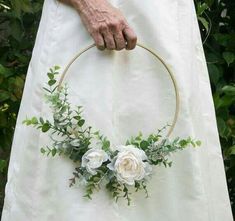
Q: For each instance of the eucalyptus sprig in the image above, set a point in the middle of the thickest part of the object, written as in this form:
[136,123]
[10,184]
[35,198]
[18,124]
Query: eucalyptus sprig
[103,165]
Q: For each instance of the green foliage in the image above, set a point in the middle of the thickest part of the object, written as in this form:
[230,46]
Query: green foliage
[67,123]
[158,148]
[18,25]
[71,137]
[219,47]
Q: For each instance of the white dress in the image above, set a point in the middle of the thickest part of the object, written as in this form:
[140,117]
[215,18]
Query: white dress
[122,93]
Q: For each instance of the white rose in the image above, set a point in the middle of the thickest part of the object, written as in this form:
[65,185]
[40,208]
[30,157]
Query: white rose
[93,159]
[129,164]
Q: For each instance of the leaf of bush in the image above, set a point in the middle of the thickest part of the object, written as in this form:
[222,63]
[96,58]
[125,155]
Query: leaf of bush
[229,57]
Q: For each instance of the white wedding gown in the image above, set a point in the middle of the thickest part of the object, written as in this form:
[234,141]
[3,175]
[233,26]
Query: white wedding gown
[122,93]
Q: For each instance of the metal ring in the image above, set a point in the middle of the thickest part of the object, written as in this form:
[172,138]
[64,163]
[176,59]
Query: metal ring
[172,126]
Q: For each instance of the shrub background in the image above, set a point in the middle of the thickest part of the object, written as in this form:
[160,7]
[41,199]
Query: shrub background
[19,21]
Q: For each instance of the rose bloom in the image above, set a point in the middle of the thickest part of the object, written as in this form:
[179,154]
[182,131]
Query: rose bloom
[93,159]
[129,165]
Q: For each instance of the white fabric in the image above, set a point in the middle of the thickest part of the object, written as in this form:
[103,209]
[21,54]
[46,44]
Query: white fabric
[122,93]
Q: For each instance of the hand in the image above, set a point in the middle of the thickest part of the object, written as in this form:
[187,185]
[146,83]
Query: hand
[105,23]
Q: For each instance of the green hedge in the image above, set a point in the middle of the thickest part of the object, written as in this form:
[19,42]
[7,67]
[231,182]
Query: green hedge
[217,22]
[18,25]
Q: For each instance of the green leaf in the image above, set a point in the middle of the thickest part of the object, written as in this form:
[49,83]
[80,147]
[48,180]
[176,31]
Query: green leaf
[183,143]
[209,2]
[201,7]
[77,118]
[231,150]
[222,127]
[229,90]
[144,144]
[198,142]
[16,30]
[213,58]
[43,150]
[229,57]
[53,152]
[4,95]
[6,72]
[222,39]
[3,165]
[81,122]
[41,120]
[19,82]
[47,90]
[22,6]
[204,22]
[50,75]
[27,122]
[45,127]
[34,120]
[214,73]
[57,67]
[106,144]
[51,82]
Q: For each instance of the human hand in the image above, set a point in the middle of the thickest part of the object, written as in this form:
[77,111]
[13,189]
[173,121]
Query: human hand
[105,23]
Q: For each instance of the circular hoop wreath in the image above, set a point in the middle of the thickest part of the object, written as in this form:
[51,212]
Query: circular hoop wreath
[99,163]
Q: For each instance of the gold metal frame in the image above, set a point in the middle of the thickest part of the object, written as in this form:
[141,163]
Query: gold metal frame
[172,126]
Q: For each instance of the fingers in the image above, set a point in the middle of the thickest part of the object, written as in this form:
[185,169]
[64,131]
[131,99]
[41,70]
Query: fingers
[125,38]
[114,38]
[130,38]
[103,38]
[99,40]
[119,41]
[109,40]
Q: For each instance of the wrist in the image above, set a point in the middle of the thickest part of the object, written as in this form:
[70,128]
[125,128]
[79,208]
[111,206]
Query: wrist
[89,6]
[79,5]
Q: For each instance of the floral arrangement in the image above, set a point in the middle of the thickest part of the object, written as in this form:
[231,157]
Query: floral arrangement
[118,168]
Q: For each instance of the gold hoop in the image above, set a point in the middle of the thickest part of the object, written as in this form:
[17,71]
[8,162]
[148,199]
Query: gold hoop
[172,126]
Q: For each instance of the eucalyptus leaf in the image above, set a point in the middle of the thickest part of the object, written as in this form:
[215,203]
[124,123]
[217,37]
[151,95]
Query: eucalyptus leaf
[81,122]
[45,127]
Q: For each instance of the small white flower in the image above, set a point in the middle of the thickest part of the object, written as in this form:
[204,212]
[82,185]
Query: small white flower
[129,164]
[93,159]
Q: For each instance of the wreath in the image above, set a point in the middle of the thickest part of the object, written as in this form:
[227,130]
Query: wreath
[99,164]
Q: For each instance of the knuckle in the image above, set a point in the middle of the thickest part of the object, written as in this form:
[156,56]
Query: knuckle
[102,28]
[94,29]
[114,28]
[122,22]
[113,25]
[116,25]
